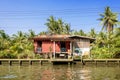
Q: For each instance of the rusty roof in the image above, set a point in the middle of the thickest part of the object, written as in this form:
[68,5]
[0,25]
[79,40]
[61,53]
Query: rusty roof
[61,37]
[52,37]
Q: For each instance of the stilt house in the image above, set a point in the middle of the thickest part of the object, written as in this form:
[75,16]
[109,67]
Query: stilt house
[62,46]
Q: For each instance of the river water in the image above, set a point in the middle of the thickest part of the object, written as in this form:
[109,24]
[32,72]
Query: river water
[59,72]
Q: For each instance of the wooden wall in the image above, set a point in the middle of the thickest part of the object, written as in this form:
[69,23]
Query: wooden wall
[82,43]
[48,46]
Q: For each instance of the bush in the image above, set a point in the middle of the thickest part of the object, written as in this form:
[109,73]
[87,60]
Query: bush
[7,55]
[23,56]
[102,53]
[38,56]
[11,56]
[27,55]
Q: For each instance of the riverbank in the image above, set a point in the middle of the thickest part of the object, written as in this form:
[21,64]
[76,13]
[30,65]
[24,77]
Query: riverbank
[50,61]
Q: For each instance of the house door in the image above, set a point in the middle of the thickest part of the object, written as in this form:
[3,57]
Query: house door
[39,47]
[63,46]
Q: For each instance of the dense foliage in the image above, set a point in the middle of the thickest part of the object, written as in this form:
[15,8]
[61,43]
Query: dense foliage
[107,44]
[108,19]
[57,26]
[105,47]
[16,46]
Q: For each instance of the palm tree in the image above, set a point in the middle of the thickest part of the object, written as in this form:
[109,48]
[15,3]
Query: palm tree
[43,33]
[81,33]
[5,43]
[57,26]
[51,24]
[101,39]
[117,32]
[92,33]
[19,40]
[67,29]
[22,46]
[108,19]
[60,25]
[4,40]
[31,34]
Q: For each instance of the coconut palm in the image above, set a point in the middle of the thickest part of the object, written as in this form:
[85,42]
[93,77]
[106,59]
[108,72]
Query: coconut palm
[108,19]
[5,43]
[19,41]
[67,29]
[116,37]
[92,33]
[43,33]
[22,46]
[117,32]
[81,33]
[57,26]
[60,26]
[51,24]
[31,34]
[4,40]
[101,39]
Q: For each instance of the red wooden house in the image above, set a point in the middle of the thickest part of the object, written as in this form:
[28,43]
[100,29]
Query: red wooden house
[60,46]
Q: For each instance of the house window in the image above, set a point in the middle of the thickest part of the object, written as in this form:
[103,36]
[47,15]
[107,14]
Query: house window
[39,43]
[63,46]
[39,50]
[39,47]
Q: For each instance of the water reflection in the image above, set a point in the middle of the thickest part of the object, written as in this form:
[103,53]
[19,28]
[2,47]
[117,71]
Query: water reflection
[59,72]
[9,76]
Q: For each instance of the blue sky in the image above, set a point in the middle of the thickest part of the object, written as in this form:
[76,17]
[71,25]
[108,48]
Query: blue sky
[22,15]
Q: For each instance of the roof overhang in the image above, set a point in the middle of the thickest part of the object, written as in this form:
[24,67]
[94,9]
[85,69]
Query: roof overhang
[62,38]
[82,37]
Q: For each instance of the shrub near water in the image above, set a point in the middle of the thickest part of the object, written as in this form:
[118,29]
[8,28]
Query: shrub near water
[105,53]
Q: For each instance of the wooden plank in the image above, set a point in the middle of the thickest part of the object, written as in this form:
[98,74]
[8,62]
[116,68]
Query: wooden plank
[21,61]
[61,60]
[30,61]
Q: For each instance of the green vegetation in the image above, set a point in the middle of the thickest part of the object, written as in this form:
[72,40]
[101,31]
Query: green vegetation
[108,19]
[57,26]
[106,45]
[17,46]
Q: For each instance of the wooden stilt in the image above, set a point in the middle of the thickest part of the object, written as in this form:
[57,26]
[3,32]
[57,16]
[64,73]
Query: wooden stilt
[10,62]
[118,62]
[106,62]
[40,62]
[20,62]
[95,62]
[30,62]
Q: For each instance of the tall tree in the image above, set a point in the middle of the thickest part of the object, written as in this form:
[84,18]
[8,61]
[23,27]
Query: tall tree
[117,32]
[108,19]
[57,26]
[67,29]
[43,33]
[4,40]
[51,24]
[80,32]
[92,33]
[31,34]
[19,40]
[60,25]
[101,39]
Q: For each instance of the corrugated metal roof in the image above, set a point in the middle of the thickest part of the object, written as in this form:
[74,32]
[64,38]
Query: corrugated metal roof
[61,37]
[52,37]
[83,37]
